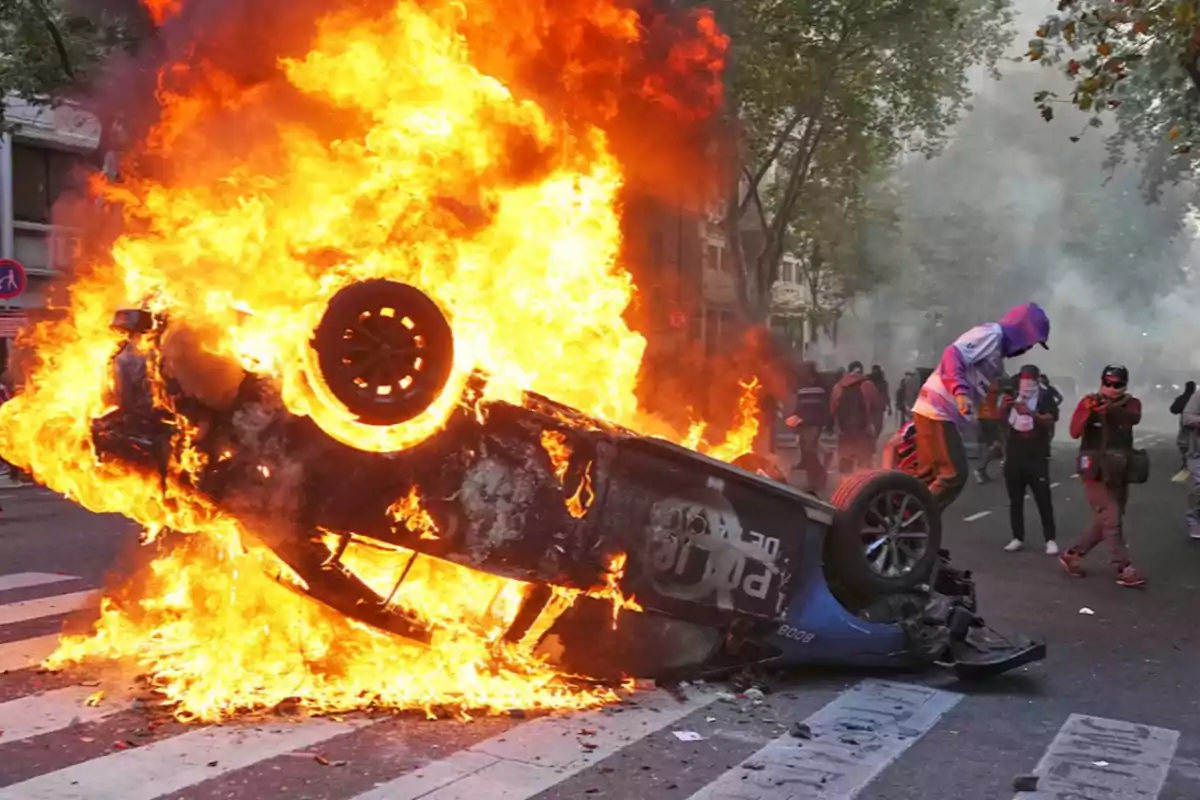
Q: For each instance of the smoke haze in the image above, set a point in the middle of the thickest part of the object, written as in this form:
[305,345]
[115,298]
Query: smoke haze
[1012,211]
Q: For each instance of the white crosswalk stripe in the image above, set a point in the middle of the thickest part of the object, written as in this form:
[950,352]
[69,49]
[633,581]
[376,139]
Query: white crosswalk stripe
[37,714]
[176,763]
[25,653]
[503,767]
[853,738]
[24,580]
[842,752]
[1094,757]
[46,607]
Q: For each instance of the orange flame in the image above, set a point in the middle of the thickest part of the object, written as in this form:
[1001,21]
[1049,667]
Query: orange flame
[159,10]
[579,503]
[556,447]
[408,145]
[409,512]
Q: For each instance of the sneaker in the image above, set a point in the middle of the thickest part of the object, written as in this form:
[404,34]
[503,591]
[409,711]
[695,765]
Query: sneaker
[1071,563]
[1051,548]
[1014,545]
[981,477]
[1131,578]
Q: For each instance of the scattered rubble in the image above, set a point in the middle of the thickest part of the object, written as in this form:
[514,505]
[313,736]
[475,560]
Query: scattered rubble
[801,730]
[1025,783]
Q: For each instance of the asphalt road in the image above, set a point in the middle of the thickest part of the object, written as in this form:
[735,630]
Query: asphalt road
[1112,713]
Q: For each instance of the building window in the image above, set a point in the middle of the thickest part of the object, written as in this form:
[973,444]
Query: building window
[40,176]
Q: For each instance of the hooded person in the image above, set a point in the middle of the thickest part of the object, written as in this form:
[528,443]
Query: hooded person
[950,395]
[856,404]
[1183,440]
[810,417]
[1029,414]
[1189,422]
[881,385]
[1103,423]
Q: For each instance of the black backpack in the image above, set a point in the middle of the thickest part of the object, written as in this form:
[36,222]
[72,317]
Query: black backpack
[852,409]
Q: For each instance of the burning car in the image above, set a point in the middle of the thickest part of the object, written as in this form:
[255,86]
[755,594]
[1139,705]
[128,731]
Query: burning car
[711,566]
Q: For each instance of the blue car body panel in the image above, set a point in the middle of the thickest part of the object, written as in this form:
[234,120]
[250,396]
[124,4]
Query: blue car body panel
[818,629]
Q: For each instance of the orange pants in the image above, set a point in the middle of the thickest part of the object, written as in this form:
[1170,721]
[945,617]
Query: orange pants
[941,458]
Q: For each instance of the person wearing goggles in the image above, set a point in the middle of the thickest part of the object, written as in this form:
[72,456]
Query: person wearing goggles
[1103,423]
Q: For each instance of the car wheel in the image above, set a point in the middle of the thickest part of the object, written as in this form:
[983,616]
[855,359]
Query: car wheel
[886,535]
[385,350]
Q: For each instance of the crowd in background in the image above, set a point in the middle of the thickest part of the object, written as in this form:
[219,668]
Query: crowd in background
[840,419]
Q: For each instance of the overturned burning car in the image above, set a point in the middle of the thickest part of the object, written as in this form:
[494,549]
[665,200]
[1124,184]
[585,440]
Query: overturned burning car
[725,566]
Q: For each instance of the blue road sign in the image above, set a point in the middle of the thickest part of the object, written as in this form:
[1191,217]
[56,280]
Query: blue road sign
[12,278]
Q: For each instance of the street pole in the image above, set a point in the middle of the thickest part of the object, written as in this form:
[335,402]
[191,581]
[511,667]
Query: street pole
[6,196]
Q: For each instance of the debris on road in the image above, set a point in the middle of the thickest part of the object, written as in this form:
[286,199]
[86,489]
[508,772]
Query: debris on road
[801,730]
[688,736]
[1087,611]
[1025,783]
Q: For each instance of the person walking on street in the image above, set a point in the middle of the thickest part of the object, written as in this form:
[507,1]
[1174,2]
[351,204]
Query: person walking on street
[989,433]
[809,418]
[1189,420]
[1030,415]
[881,387]
[903,403]
[1055,395]
[1103,423]
[950,395]
[1182,439]
[855,405]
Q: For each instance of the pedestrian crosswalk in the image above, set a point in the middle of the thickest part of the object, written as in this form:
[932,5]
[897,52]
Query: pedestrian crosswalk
[824,738]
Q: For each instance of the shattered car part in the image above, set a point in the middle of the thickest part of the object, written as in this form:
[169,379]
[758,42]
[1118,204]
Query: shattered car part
[729,565]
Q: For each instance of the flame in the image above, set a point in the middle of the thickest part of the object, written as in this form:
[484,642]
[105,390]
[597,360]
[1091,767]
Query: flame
[409,512]
[579,503]
[740,439]
[611,590]
[159,10]
[556,447]
[410,145]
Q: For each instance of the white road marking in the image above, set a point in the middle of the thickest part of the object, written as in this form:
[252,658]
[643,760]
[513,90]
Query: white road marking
[503,767]
[46,607]
[1096,757]
[1055,485]
[41,713]
[23,580]
[854,738]
[26,652]
[979,515]
[174,764]
[1075,475]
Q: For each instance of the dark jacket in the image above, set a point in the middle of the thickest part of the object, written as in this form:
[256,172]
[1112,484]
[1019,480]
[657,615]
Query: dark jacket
[1182,401]
[1095,412]
[1034,443]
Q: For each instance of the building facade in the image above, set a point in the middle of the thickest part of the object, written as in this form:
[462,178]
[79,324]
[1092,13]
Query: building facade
[40,159]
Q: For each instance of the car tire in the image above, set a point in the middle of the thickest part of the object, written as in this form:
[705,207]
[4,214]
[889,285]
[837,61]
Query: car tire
[885,536]
[385,350]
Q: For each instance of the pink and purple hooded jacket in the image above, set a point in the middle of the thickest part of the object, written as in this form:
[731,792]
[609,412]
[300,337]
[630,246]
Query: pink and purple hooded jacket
[976,360]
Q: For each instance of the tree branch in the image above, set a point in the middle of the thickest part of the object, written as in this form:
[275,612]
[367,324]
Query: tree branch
[765,166]
[60,46]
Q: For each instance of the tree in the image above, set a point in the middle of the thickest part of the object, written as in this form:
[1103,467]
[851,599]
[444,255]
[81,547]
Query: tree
[47,49]
[804,73]
[1136,62]
[825,235]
